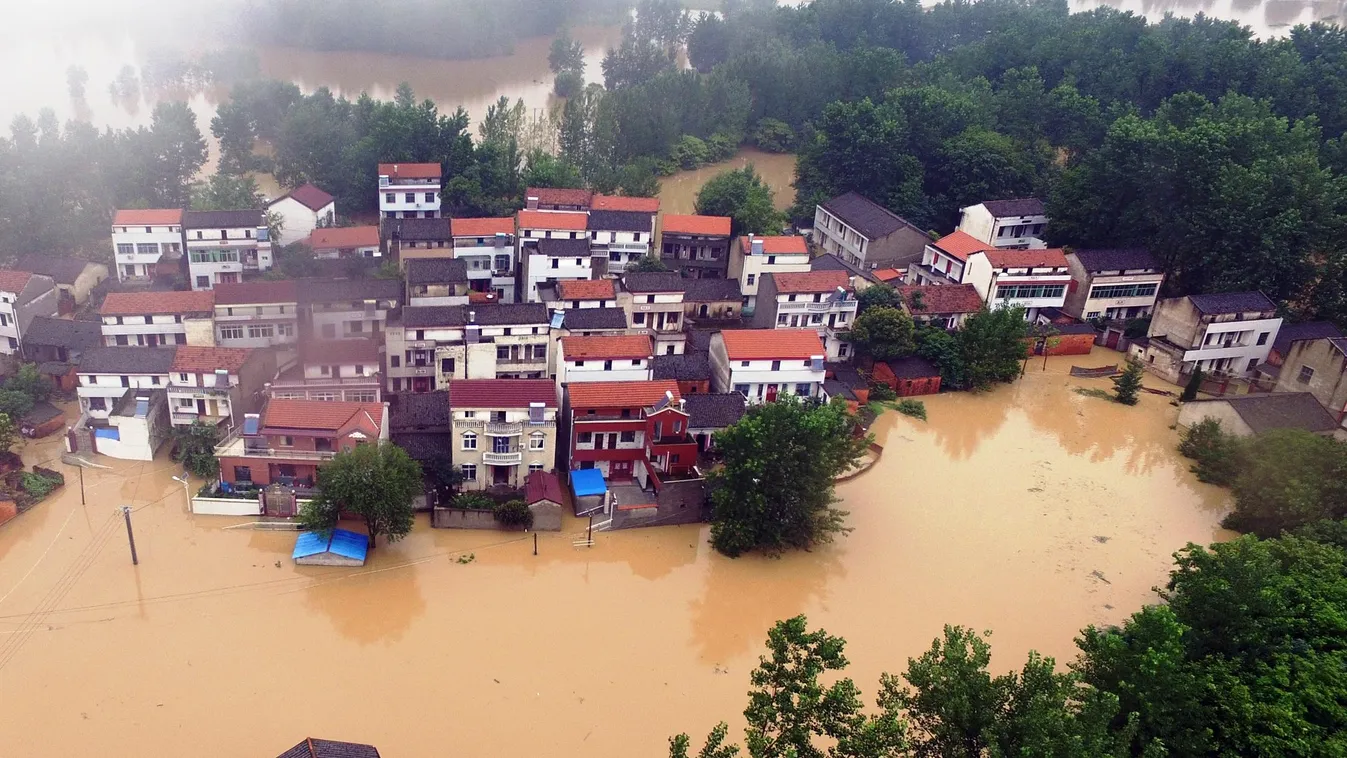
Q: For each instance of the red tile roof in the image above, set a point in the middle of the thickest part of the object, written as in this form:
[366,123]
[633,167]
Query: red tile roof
[410,170]
[146,303]
[321,415]
[256,293]
[711,226]
[944,298]
[195,359]
[777,245]
[959,245]
[308,196]
[147,217]
[771,344]
[1050,258]
[481,227]
[607,346]
[586,289]
[811,282]
[14,281]
[574,221]
[617,203]
[620,394]
[887,274]
[542,485]
[501,393]
[344,236]
[560,196]
[482,298]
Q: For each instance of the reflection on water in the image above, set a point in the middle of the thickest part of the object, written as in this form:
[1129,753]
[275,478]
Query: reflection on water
[678,193]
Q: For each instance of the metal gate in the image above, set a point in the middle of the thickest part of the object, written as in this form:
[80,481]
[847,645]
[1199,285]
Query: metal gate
[278,501]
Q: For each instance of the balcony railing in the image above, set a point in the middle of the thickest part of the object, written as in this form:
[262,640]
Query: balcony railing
[520,361]
[237,446]
[503,427]
[502,459]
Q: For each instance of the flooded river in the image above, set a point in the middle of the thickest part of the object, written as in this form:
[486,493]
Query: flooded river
[1031,511]
[678,193]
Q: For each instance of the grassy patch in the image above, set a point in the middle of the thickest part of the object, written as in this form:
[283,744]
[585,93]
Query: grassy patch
[913,408]
[1095,392]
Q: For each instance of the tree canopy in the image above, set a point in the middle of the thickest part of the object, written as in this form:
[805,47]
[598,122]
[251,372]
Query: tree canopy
[375,483]
[883,333]
[745,198]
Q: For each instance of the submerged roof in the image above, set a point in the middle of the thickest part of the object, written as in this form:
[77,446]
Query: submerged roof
[342,542]
[315,748]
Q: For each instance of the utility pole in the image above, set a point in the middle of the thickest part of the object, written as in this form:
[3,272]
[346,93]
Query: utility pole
[590,537]
[130,536]
[535,543]
[81,468]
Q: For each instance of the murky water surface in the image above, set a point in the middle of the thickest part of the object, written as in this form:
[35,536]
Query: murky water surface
[1031,511]
[678,193]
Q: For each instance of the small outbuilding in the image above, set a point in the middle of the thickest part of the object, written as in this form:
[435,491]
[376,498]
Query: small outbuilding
[1247,415]
[542,493]
[316,748]
[908,376]
[589,490]
[340,547]
[42,420]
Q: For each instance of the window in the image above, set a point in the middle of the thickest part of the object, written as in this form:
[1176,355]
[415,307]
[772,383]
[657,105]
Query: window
[325,370]
[537,441]
[556,263]
[1030,291]
[260,332]
[1092,314]
[585,438]
[469,441]
[1262,338]
[1253,363]
[650,298]
[395,361]
[638,318]
[411,197]
[535,467]
[469,414]
[430,197]
[147,248]
[776,365]
[1107,291]
[125,249]
[1306,374]
[361,396]
[203,282]
[780,319]
[231,332]
[673,458]
[751,278]
[182,377]
[287,441]
[671,318]
[502,352]
[389,197]
[790,298]
[243,474]
[628,437]
[469,472]
[802,388]
[501,445]
[98,404]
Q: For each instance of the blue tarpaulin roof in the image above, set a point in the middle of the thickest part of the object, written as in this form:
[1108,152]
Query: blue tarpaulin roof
[346,544]
[587,481]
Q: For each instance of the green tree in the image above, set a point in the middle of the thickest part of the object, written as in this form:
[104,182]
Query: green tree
[15,404]
[883,333]
[634,62]
[194,447]
[878,296]
[742,195]
[568,83]
[1288,478]
[1127,385]
[9,433]
[178,150]
[945,351]
[1193,386]
[647,263]
[566,54]
[992,346]
[374,482]
[30,382]
[775,488]
[76,79]
[542,169]
[774,136]
[233,129]
[226,192]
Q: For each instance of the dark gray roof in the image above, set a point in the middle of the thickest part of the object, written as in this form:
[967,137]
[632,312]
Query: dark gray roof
[62,332]
[339,290]
[1232,302]
[1289,333]
[865,216]
[40,413]
[436,270]
[222,219]
[1116,259]
[564,248]
[127,360]
[424,446]
[620,221]
[1280,410]
[1023,206]
[834,263]
[688,367]
[835,388]
[848,375]
[313,748]
[653,281]
[494,314]
[63,269]
[711,290]
[418,229]
[912,367]
[595,318]
[699,340]
[53,368]
[714,410]
[420,410]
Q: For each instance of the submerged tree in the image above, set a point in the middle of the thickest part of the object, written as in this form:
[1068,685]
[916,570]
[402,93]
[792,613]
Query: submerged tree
[374,482]
[1127,385]
[194,448]
[742,195]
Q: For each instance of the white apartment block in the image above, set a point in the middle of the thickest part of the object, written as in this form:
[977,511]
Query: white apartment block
[23,297]
[257,314]
[223,246]
[654,305]
[762,364]
[1113,284]
[607,358]
[302,210]
[1226,334]
[824,301]
[409,190]
[107,374]
[140,238]
[487,248]
[502,429]
[945,260]
[152,319]
[619,238]
[553,247]
[1033,279]
[1016,224]
[433,345]
[752,257]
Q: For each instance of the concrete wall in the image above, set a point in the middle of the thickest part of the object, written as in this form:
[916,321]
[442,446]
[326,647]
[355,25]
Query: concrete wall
[1328,382]
[1193,412]
[546,516]
[225,506]
[458,518]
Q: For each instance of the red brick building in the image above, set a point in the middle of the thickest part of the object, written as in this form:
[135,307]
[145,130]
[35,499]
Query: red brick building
[290,439]
[629,430]
[908,376]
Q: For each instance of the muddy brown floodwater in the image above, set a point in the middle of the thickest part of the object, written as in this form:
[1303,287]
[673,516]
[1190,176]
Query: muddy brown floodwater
[1031,511]
[678,193]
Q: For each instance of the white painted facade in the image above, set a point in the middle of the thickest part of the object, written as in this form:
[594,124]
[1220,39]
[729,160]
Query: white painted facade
[838,238]
[261,325]
[621,248]
[409,198]
[937,267]
[201,396]
[491,266]
[436,355]
[755,263]
[137,249]
[830,317]
[659,315]
[1234,346]
[571,370]
[1123,296]
[98,393]
[1031,288]
[1020,232]
[762,380]
[216,256]
[299,220]
[150,331]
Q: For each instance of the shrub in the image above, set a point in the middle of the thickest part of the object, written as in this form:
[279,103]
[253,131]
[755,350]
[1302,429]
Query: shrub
[1288,478]
[882,392]
[473,501]
[774,136]
[913,408]
[1194,385]
[690,152]
[1218,455]
[514,514]
[38,486]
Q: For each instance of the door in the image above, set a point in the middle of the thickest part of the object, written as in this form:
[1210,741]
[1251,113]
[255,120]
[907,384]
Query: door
[771,393]
[598,441]
[702,311]
[500,475]
[619,470]
[200,407]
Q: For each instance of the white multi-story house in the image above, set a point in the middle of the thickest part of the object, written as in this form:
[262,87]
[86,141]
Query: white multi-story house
[257,314]
[487,248]
[343,309]
[824,301]
[618,238]
[409,190]
[432,345]
[223,246]
[1113,284]
[945,260]
[217,384]
[654,305]
[553,246]
[1034,279]
[866,234]
[336,370]
[608,358]
[23,297]
[503,430]
[140,238]
[345,242]
[754,256]
[1014,223]
[761,364]
[302,210]
[1226,334]
[123,401]
[152,319]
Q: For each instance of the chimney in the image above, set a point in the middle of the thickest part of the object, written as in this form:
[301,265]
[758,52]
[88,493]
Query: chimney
[531,202]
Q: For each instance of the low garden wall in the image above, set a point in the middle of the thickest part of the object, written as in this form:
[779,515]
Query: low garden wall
[462,518]
[225,506]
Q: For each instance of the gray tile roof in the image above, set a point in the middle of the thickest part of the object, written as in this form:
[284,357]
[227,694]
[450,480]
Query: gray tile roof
[346,290]
[1289,333]
[424,446]
[653,281]
[833,263]
[63,269]
[127,360]
[595,318]
[315,748]
[418,229]
[496,314]
[1116,259]
[866,216]
[1232,302]
[420,410]
[437,270]
[63,332]
[620,221]
[1280,410]
[688,367]
[251,218]
[1023,206]
[564,248]
[912,367]
[711,290]
[714,410]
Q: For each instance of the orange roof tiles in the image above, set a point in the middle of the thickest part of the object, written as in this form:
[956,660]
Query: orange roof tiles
[196,359]
[620,394]
[945,298]
[14,281]
[771,344]
[502,393]
[811,282]
[254,293]
[776,245]
[344,236]
[618,203]
[574,221]
[959,245]
[586,289]
[1050,258]
[887,274]
[575,347]
[321,415]
[481,227]
[711,226]
[146,303]
[147,217]
[397,171]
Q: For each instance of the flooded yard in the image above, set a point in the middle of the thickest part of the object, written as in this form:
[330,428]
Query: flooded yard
[1031,511]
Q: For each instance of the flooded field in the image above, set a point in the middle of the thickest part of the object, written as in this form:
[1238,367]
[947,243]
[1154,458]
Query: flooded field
[1031,511]
[678,193]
